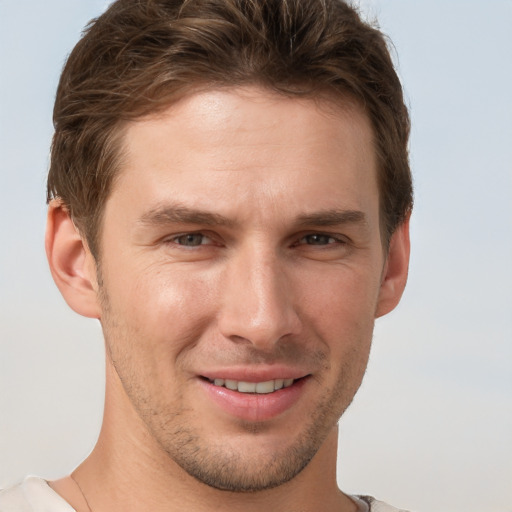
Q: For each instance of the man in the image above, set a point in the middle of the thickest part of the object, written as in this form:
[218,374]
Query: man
[229,194]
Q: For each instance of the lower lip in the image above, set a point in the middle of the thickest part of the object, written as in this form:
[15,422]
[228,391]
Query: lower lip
[251,406]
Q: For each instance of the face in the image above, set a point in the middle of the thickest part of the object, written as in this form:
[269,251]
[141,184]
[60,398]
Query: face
[241,271]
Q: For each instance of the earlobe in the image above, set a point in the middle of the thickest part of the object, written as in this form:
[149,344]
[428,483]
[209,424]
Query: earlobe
[71,263]
[395,272]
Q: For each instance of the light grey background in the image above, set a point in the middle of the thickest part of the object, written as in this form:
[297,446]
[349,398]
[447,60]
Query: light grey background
[431,429]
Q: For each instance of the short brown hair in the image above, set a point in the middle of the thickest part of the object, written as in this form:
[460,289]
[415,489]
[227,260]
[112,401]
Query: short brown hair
[141,55]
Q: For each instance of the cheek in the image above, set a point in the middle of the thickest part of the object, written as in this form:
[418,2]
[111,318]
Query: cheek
[341,293]
[161,309]
[340,306]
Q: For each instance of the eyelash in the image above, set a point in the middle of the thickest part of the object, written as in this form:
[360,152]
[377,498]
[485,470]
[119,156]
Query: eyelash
[328,236]
[175,239]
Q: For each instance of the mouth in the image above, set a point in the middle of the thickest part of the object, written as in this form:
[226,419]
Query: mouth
[259,388]
[257,399]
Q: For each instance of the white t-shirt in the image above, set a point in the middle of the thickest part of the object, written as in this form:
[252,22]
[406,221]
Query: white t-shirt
[32,495]
[35,495]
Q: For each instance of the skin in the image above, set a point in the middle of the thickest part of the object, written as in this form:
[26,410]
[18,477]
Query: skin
[241,236]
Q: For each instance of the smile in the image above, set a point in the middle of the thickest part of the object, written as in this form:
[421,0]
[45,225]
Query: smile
[259,398]
[241,386]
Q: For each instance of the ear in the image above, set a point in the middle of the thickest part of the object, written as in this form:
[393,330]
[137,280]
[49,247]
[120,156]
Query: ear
[71,263]
[395,272]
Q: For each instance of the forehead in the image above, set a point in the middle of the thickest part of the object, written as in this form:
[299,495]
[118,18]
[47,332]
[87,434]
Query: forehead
[256,115]
[220,148]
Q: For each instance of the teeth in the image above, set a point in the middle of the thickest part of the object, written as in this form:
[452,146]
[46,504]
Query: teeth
[231,384]
[268,386]
[247,387]
[265,387]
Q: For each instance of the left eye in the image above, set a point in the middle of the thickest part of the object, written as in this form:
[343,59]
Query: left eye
[191,239]
[318,239]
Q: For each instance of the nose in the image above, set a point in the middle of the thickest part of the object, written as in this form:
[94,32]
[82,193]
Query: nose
[257,301]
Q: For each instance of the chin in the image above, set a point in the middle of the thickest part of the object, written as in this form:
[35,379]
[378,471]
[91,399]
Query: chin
[255,459]
[235,471]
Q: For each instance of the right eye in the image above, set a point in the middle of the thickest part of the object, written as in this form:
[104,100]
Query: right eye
[190,240]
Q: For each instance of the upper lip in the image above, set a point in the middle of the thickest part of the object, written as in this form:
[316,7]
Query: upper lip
[254,373]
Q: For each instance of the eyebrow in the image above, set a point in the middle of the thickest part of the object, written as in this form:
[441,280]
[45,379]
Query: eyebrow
[169,214]
[332,218]
[162,215]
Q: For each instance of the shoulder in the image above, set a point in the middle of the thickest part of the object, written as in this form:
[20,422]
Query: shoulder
[379,506]
[32,495]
